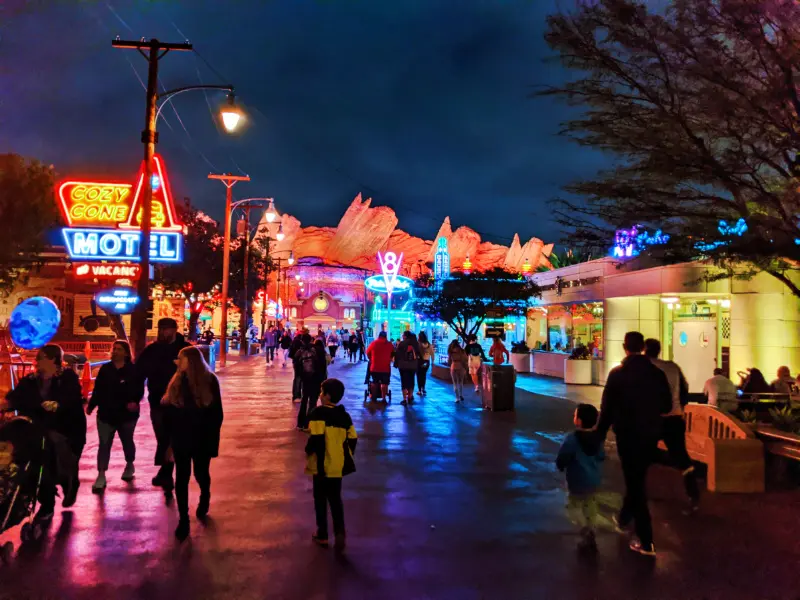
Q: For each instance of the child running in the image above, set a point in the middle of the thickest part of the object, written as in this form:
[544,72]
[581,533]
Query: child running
[581,455]
[329,457]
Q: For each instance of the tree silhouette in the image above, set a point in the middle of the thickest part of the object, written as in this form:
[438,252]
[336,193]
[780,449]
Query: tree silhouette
[700,104]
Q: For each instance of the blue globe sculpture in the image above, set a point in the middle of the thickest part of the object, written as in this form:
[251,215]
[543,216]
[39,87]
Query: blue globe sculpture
[34,322]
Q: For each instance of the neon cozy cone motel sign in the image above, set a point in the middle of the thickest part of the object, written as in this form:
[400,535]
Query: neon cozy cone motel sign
[104,219]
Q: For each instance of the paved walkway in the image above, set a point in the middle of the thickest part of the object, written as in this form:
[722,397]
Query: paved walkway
[448,502]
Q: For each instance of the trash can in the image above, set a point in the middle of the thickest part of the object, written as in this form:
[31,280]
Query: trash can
[497,386]
[210,354]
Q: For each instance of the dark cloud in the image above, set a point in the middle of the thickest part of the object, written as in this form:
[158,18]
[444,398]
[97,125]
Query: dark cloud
[421,104]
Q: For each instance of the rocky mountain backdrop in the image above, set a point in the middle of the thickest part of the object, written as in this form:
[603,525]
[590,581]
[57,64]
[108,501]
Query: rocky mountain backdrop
[364,230]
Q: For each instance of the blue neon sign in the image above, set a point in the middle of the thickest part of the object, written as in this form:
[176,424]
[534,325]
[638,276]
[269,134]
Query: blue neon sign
[111,244]
[118,301]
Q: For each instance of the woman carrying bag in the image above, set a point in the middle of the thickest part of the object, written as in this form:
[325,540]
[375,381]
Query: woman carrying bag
[193,417]
[426,355]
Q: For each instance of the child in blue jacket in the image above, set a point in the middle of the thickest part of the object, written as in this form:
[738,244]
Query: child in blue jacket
[581,456]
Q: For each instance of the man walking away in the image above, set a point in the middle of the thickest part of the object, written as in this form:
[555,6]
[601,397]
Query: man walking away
[308,364]
[269,341]
[380,354]
[297,383]
[636,396]
[329,457]
[361,345]
[673,430]
[285,343]
[157,365]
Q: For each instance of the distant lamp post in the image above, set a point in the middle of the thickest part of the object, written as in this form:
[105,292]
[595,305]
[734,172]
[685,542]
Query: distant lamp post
[280,235]
[271,214]
[467,266]
[526,267]
[231,114]
[291,258]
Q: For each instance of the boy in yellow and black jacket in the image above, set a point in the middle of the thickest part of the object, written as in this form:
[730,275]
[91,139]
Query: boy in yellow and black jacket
[329,457]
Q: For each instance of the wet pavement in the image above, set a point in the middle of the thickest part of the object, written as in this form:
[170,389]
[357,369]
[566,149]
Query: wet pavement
[448,502]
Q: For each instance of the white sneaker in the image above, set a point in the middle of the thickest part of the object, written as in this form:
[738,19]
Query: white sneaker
[127,474]
[100,483]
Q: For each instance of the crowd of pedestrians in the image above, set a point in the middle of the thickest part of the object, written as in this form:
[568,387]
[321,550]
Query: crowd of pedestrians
[643,402]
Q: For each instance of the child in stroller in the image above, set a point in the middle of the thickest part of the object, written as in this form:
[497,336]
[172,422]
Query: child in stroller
[372,388]
[22,458]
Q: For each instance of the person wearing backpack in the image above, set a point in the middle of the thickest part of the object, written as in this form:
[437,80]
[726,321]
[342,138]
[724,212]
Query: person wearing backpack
[308,367]
[407,362]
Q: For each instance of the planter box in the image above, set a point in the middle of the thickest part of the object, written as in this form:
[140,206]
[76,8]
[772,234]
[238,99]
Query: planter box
[578,372]
[521,362]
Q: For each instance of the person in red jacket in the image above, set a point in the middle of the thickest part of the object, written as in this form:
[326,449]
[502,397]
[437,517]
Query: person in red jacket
[380,353]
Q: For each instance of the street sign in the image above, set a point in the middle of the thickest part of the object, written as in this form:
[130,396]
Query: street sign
[117,301]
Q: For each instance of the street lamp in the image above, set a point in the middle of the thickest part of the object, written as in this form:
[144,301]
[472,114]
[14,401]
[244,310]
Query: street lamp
[271,214]
[280,235]
[290,260]
[153,51]
[231,114]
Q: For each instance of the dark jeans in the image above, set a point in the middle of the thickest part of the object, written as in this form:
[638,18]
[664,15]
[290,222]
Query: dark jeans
[328,491]
[407,379]
[332,350]
[161,433]
[352,352]
[269,351]
[422,374]
[309,399]
[636,456]
[297,386]
[183,471]
[61,462]
[361,355]
[673,433]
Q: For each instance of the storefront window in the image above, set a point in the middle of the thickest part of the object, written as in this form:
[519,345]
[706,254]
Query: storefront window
[563,327]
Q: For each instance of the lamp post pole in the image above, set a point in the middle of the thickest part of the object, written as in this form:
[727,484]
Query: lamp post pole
[243,325]
[229,181]
[155,51]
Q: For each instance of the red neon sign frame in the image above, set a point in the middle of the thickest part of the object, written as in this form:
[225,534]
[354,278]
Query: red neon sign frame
[162,202]
[110,204]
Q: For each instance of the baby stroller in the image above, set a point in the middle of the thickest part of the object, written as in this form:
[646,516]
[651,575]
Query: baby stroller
[372,389]
[22,452]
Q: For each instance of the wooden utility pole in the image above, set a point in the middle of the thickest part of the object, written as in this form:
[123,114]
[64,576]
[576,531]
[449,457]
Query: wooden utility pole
[229,181]
[153,51]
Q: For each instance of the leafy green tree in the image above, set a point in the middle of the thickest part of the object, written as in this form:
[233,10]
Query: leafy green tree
[699,101]
[465,301]
[28,212]
[201,269]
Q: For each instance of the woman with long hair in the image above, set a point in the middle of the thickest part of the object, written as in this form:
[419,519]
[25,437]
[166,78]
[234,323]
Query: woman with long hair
[458,368]
[52,398]
[426,355]
[407,361]
[193,419]
[117,393]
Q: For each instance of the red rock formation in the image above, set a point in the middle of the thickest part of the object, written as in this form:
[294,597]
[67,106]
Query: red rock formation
[363,231]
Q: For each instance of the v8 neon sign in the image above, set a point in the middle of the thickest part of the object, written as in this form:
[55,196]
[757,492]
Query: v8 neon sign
[390,267]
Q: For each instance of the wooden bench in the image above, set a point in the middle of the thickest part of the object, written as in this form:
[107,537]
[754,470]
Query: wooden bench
[733,454]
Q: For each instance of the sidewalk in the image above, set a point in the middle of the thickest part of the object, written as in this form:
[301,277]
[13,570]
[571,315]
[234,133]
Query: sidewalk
[448,502]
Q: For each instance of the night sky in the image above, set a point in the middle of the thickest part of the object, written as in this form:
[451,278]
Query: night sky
[421,104]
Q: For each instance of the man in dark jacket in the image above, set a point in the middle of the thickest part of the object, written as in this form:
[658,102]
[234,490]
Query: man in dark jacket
[636,396]
[297,383]
[157,365]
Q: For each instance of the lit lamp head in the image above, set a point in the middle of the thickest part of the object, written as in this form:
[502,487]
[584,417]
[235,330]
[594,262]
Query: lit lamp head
[271,214]
[526,267]
[291,258]
[280,235]
[231,114]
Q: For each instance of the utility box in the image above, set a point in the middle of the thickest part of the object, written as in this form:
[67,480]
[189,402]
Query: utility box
[497,386]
